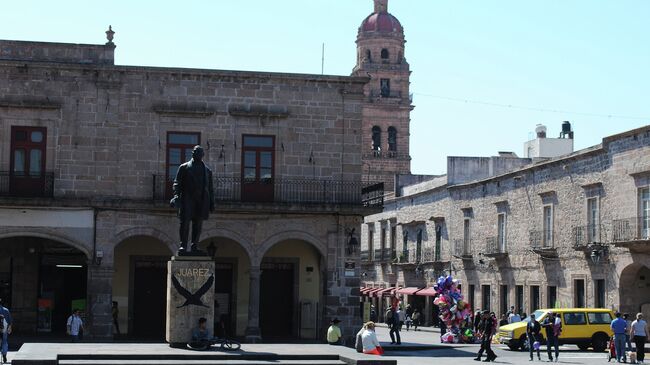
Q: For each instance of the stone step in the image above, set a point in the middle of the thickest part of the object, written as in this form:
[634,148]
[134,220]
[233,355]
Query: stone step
[128,361]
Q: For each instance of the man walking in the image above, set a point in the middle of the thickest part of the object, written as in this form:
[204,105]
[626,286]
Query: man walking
[639,331]
[486,327]
[618,326]
[75,325]
[394,325]
[6,330]
[532,331]
[551,338]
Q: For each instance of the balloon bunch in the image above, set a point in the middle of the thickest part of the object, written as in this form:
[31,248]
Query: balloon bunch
[455,313]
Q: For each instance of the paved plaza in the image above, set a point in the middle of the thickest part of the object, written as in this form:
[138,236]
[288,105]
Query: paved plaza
[426,339]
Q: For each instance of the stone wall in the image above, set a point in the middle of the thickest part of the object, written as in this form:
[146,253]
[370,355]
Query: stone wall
[611,172]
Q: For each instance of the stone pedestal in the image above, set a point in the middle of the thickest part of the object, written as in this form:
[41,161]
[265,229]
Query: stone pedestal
[190,296]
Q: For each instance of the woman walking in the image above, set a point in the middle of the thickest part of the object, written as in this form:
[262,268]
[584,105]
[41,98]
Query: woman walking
[639,332]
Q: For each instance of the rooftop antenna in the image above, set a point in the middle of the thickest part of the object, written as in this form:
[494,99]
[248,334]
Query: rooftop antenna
[322,60]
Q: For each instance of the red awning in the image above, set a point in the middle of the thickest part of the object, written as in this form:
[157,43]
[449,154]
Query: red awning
[372,292]
[428,292]
[385,292]
[408,291]
[363,291]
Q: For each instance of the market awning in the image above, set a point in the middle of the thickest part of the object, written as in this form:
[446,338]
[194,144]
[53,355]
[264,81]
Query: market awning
[372,292]
[408,291]
[428,292]
[365,291]
[386,292]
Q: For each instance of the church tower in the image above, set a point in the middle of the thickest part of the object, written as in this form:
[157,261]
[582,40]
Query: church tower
[386,112]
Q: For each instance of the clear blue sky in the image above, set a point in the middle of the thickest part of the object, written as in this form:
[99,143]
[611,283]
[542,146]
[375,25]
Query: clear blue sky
[587,57]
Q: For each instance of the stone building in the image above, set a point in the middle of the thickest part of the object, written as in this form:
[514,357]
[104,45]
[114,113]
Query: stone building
[567,231]
[88,150]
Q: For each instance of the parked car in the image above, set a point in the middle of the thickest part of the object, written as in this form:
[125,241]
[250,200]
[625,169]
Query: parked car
[585,327]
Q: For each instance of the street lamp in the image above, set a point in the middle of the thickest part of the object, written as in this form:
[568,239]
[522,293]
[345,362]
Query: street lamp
[598,251]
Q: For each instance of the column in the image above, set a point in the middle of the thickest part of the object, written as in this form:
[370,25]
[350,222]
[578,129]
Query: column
[253,333]
[99,294]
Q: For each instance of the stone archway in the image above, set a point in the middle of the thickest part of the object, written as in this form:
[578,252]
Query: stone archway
[139,283]
[48,234]
[634,289]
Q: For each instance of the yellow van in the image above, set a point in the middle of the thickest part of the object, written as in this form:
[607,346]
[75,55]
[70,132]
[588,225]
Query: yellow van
[585,327]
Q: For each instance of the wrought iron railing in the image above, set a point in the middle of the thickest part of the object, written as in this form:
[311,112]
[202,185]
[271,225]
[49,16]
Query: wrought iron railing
[300,191]
[540,240]
[387,254]
[494,247]
[462,247]
[378,255]
[365,256]
[590,233]
[27,185]
[631,229]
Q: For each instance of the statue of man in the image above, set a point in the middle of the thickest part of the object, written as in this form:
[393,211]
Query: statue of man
[193,197]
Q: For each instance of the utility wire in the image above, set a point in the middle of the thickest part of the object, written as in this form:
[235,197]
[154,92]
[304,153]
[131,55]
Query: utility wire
[530,108]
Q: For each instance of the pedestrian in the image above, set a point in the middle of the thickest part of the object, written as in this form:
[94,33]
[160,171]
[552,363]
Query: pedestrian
[7,323]
[532,331]
[394,325]
[504,320]
[408,322]
[201,336]
[409,311]
[402,317]
[416,319]
[552,340]
[511,311]
[369,340]
[373,314]
[486,328]
[75,325]
[334,332]
[640,334]
[628,338]
[115,312]
[477,320]
[513,317]
[618,326]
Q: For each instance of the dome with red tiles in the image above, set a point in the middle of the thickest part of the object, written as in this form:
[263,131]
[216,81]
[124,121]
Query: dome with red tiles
[381,20]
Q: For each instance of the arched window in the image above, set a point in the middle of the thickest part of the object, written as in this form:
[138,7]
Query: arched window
[384,54]
[376,138]
[368,56]
[392,139]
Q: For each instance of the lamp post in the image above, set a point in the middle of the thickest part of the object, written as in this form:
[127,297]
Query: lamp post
[598,251]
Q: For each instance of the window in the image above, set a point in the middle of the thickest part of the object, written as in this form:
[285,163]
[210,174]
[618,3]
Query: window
[574,318]
[384,87]
[599,318]
[519,298]
[368,55]
[383,240]
[466,236]
[392,139]
[548,226]
[579,293]
[418,247]
[644,216]
[371,239]
[376,138]
[485,295]
[592,220]
[504,299]
[258,163]
[534,298]
[179,150]
[471,295]
[599,293]
[384,54]
[438,243]
[501,235]
[551,298]
[393,242]
[27,161]
[405,245]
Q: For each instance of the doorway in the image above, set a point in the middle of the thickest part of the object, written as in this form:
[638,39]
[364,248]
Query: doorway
[62,288]
[149,298]
[277,297]
[224,300]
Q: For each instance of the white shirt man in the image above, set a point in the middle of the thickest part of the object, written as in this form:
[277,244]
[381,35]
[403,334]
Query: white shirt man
[75,325]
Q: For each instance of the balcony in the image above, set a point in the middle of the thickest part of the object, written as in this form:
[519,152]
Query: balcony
[584,236]
[26,186]
[542,243]
[286,191]
[463,248]
[386,154]
[365,256]
[494,249]
[632,233]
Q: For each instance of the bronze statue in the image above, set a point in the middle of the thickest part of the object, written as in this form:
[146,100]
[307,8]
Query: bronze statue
[194,199]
